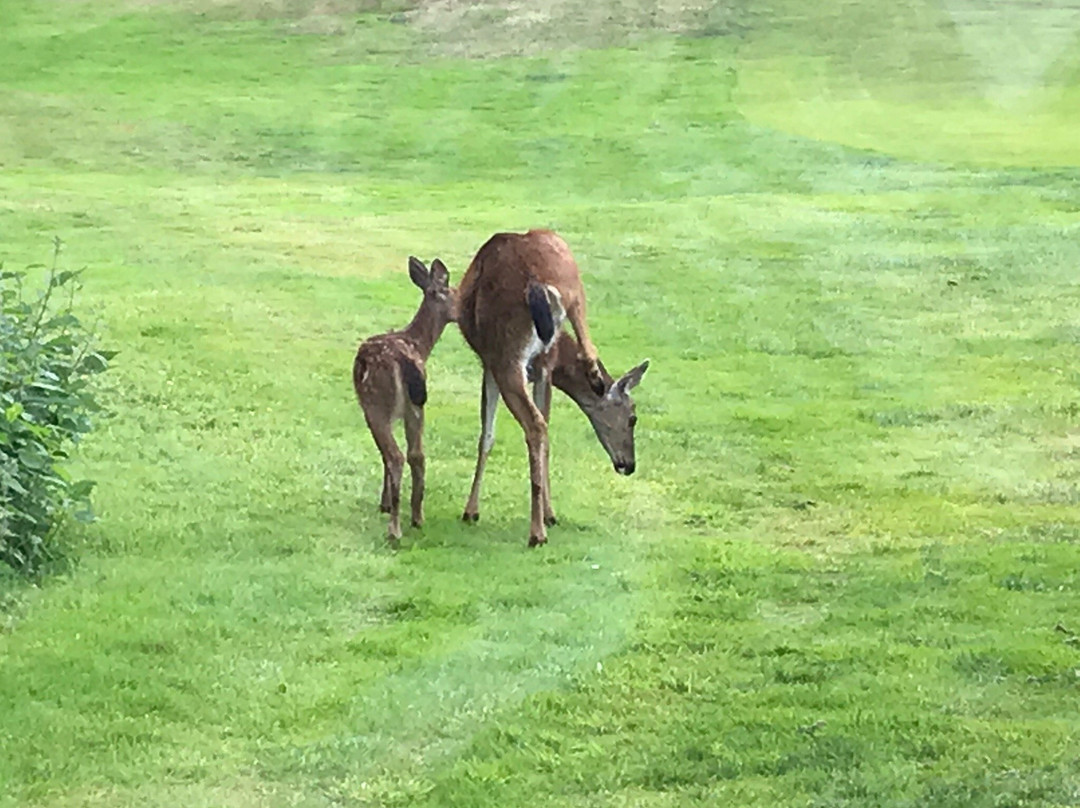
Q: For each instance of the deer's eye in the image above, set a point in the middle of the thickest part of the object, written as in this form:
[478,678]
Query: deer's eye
[633,421]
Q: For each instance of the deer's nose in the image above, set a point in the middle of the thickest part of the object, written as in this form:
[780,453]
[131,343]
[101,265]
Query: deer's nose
[625,468]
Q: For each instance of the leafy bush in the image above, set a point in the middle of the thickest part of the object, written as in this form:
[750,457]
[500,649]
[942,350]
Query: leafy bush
[47,360]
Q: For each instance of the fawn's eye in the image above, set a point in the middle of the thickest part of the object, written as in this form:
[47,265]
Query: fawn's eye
[633,421]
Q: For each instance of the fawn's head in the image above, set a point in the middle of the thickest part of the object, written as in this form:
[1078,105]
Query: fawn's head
[440,299]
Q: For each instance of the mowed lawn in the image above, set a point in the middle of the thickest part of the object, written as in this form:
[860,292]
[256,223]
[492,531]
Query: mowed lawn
[846,571]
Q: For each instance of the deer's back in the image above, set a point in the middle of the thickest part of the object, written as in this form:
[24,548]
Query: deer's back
[493,311]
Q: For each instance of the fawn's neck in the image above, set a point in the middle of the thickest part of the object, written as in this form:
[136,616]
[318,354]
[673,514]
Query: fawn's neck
[425,329]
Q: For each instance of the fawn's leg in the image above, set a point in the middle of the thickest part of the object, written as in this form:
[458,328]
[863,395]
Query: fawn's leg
[414,437]
[384,500]
[393,462]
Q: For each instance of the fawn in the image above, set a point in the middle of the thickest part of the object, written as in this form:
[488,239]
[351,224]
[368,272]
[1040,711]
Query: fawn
[390,383]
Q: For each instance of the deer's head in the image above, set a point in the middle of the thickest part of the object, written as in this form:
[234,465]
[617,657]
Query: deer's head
[440,299]
[611,413]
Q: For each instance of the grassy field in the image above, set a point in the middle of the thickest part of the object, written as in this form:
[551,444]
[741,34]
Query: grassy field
[845,572]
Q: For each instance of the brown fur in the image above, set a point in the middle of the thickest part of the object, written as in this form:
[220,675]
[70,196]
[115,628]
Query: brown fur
[497,319]
[498,280]
[390,381]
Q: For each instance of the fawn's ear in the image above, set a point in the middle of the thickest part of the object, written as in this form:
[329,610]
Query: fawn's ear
[419,273]
[439,273]
[630,379]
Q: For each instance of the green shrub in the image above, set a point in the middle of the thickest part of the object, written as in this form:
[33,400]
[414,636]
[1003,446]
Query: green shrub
[47,360]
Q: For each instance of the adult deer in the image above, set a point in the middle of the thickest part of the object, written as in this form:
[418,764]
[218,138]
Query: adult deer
[512,302]
[391,385]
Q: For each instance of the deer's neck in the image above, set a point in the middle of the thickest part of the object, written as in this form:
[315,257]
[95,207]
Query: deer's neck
[424,330]
[580,394]
[568,372]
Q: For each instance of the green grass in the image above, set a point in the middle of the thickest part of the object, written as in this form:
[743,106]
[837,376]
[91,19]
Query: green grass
[846,570]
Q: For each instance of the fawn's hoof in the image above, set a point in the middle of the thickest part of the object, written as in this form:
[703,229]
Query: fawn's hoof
[536,541]
[418,522]
[551,520]
[471,518]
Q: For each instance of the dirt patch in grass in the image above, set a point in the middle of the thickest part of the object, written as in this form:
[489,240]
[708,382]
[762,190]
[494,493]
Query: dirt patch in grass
[525,27]
[280,9]
[484,28]
[317,17]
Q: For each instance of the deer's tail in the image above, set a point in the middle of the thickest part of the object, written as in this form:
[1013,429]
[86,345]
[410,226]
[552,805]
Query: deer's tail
[540,309]
[546,308]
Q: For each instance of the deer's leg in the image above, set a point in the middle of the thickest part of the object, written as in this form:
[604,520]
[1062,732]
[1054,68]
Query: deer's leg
[393,462]
[542,399]
[414,437]
[576,315]
[517,399]
[489,402]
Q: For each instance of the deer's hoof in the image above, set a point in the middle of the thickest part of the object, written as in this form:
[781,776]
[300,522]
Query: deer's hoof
[384,507]
[418,521]
[536,541]
[471,518]
[551,520]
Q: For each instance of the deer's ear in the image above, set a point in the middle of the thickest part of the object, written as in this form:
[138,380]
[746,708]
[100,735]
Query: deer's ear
[439,273]
[631,379]
[419,273]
